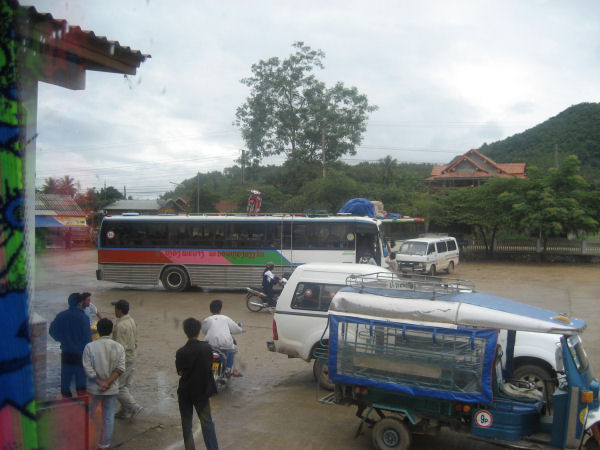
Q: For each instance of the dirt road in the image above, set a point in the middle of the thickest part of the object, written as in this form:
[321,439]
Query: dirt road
[274,405]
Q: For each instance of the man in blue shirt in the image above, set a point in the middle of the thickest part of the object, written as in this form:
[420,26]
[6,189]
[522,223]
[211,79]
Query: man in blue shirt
[72,329]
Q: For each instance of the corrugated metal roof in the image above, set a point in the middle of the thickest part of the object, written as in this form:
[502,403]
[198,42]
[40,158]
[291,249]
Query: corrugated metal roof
[57,205]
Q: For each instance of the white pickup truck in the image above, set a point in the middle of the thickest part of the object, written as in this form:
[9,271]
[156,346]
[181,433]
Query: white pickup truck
[300,322]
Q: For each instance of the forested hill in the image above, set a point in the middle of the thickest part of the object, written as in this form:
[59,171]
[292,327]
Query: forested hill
[575,131]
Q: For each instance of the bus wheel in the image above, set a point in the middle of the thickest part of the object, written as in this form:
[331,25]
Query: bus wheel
[389,433]
[450,267]
[174,279]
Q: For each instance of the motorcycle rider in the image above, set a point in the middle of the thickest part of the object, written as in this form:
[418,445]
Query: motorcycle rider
[219,330]
[254,202]
[270,280]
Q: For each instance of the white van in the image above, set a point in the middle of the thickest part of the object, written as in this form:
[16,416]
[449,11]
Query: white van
[428,255]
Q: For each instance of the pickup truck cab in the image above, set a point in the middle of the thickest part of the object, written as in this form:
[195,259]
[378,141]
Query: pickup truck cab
[300,317]
[300,323]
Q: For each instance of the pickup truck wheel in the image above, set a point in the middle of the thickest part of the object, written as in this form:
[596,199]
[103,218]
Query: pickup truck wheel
[391,433]
[431,270]
[175,279]
[591,444]
[537,375]
[321,374]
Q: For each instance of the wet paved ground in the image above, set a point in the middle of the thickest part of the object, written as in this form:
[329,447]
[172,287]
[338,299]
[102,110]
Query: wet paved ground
[275,404]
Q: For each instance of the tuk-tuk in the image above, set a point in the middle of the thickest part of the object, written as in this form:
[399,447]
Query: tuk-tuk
[415,355]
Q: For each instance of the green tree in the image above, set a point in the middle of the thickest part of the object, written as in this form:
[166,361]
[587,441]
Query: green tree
[555,204]
[290,112]
[483,209]
[329,194]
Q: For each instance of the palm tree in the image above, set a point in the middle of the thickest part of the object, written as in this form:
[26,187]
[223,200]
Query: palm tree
[50,186]
[67,186]
[388,166]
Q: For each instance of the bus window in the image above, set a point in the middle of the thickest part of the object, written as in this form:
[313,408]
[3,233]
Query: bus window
[273,235]
[286,235]
[299,236]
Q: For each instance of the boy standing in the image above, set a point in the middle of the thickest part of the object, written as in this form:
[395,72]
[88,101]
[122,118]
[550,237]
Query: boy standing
[193,362]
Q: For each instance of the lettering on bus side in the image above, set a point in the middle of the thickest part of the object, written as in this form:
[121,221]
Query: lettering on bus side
[249,255]
[181,253]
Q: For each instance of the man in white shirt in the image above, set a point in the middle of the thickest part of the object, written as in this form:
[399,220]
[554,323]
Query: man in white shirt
[219,330]
[103,363]
[89,308]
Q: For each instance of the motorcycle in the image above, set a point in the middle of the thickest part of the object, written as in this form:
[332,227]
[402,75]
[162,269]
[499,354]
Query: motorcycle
[256,299]
[219,368]
[254,202]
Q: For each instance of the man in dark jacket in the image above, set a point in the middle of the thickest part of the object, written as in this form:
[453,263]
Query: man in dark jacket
[193,363]
[72,329]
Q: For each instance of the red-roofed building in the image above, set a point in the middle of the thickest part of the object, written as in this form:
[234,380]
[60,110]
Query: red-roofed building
[473,169]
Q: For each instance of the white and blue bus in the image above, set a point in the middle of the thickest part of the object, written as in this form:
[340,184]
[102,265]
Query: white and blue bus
[227,250]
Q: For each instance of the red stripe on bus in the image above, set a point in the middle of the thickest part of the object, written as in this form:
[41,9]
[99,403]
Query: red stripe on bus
[132,256]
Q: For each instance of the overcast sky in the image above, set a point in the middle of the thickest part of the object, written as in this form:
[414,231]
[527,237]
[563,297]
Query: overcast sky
[447,76]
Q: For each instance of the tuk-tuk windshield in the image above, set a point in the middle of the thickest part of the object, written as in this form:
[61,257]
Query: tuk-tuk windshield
[578,353]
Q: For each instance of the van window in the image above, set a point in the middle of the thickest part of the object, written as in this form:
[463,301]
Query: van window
[314,296]
[451,245]
[441,247]
[431,249]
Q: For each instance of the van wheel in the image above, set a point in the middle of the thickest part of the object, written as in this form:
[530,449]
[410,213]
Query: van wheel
[450,268]
[175,279]
[391,433]
[321,374]
[431,270]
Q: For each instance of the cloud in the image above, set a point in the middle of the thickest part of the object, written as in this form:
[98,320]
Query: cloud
[447,77]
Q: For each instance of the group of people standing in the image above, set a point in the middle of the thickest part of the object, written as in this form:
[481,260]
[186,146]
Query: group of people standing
[102,368]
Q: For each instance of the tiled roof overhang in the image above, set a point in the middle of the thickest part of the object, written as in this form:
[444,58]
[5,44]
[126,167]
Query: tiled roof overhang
[57,53]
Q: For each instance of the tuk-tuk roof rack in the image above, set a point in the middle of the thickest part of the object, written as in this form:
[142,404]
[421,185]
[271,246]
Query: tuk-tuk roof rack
[409,282]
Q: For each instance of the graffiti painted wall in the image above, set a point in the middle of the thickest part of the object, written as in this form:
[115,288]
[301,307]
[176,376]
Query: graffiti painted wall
[17,406]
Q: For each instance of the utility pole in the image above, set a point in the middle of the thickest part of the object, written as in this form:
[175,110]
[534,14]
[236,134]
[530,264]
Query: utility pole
[198,196]
[243,164]
[323,149]
[125,192]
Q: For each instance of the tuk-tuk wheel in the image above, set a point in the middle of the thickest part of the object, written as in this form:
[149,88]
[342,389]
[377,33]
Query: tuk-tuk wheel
[391,433]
